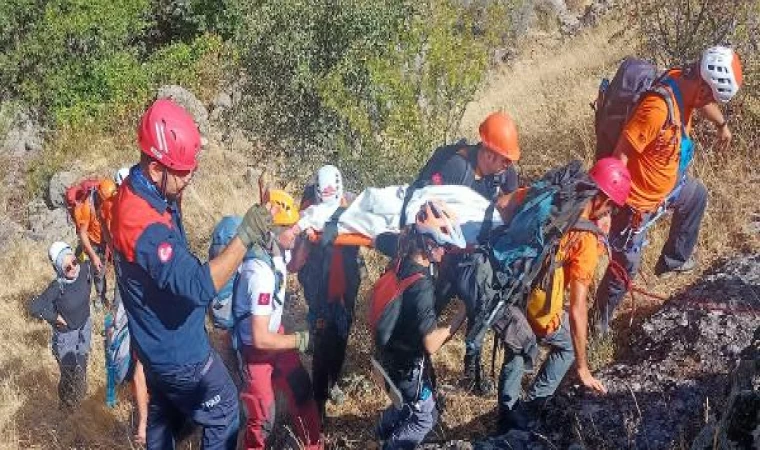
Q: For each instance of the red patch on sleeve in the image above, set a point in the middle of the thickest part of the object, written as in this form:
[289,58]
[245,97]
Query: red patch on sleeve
[264,299]
[165,252]
[437,178]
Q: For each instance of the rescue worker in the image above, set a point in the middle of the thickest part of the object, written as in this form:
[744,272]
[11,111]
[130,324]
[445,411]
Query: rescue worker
[65,305]
[655,151]
[489,169]
[416,336]
[166,289]
[270,358]
[330,276]
[107,190]
[92,243]
[564,332]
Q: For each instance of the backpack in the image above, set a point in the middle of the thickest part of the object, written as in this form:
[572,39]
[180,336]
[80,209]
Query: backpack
[221,306]
[618,98]
[550,284]
[314,276]
[220,309]
[79,192]
[118,353]
[424,178]
[385,303]
[524,248]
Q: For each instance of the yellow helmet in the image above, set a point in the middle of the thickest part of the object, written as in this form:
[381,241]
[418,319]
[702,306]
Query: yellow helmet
[287,215]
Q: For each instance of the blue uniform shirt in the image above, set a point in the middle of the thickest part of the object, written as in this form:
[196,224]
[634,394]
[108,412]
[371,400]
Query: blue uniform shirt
[165,288]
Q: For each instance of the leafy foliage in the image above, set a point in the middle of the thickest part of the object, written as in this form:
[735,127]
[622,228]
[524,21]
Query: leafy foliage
[78,61]
[373,84]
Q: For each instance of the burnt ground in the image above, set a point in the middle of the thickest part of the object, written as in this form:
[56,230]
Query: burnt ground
[670,376]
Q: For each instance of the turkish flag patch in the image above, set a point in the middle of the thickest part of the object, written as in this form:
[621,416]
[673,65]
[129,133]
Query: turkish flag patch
[165,252]
[437,178]
[264,299]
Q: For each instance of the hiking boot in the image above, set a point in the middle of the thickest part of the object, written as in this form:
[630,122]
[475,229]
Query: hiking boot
[474,380]
[337,397]
[516,418]
[662,270]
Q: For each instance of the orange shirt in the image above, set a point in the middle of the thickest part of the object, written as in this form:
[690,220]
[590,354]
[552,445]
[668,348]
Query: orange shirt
[85,219]
[654,162]
[582,252]
[106,212]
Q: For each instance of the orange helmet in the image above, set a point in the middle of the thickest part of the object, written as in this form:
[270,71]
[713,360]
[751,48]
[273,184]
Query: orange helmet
[107,189]
[498,133]
[437,222]
[287,215]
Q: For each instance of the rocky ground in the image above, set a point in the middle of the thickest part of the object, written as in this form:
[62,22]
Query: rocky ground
[674,377]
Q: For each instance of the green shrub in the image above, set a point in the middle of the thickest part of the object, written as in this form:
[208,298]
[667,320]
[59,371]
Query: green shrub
[371,85]
[85,63]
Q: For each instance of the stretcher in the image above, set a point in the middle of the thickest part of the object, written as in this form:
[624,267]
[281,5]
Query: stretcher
[378,210]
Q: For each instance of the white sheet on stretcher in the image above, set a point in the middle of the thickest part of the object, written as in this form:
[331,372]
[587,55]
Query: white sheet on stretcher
[377,210]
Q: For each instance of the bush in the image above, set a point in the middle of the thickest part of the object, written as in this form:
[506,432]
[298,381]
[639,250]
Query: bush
[676,32]
[372,85]
[84,62]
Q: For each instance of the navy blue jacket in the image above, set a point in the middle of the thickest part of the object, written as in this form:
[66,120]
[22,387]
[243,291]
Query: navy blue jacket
[165,288]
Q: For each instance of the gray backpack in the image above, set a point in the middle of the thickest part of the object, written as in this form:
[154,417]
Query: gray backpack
[618,98]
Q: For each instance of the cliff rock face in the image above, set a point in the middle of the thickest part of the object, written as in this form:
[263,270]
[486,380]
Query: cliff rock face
[685,365]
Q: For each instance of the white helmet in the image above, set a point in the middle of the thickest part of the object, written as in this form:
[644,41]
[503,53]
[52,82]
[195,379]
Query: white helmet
[121,175]
[55,250]
[721,69]
[436,221]
[329,184]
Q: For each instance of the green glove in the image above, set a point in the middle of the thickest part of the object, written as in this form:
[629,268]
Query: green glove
[304,344]
[255,227]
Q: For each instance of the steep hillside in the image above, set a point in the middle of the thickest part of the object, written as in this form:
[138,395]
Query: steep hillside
[547,89]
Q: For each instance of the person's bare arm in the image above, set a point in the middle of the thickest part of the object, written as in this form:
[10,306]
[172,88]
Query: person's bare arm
[263,339]
[434,340]
[623,149]
[579,332]
[713,113]
[84,239]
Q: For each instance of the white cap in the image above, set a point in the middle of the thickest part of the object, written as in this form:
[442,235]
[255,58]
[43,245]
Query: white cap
[329,184]
[55,250]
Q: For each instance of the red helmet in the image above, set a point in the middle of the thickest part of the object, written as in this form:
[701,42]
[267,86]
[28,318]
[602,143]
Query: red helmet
[612,178]
[168,134]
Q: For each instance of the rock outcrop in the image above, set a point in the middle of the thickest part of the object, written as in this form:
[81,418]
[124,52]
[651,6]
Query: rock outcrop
[678,369]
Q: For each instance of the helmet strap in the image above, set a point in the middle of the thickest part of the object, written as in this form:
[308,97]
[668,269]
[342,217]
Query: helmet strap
[164,180]
[427,249]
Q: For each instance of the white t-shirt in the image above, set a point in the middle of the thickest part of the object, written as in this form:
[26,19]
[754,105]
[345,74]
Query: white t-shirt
[256,287]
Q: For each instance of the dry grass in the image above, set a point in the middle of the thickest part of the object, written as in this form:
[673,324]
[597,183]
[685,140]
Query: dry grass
[547,91]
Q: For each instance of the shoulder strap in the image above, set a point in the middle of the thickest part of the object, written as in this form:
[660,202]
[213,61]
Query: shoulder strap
[665,95]
[330,230]
[586,225]
[679,100]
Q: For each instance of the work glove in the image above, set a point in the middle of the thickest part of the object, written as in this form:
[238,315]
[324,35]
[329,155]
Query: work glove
[304,343]
[255,227]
